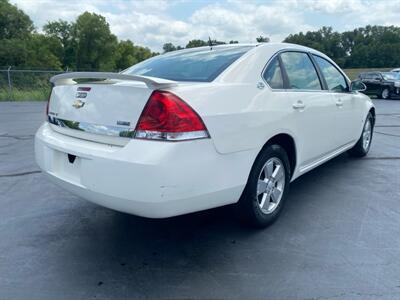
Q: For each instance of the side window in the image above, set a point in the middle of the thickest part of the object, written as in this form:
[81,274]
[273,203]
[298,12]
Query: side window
[376,76]
[334,79]
[273,74]
[300,71]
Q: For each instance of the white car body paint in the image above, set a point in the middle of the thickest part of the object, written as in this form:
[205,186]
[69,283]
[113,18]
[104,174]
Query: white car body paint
[161,179]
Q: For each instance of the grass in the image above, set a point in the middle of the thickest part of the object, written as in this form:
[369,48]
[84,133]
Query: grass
[42,93]
[38,94]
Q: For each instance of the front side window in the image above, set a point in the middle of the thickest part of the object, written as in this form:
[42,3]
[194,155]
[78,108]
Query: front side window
[202,65]
[376,76]
[273,74]
[300,71]
[334,79]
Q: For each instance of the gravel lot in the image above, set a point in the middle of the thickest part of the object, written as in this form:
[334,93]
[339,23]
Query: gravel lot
[339,236]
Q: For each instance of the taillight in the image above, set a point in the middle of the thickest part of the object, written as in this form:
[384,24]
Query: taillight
[167,117]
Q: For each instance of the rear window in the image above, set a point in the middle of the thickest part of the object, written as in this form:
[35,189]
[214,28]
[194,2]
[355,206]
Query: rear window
[203,65]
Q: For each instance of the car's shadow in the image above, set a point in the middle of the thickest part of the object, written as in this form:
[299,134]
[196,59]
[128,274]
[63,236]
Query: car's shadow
[118,249]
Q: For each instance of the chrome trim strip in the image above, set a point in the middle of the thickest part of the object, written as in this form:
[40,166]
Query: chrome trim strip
[308,167]
[300,90]
[118,131]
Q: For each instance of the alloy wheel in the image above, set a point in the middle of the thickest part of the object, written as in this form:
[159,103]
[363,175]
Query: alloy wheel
[367,133]
[385,94]
[271,184]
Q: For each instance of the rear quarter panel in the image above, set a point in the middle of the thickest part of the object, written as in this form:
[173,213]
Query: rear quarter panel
[239,117]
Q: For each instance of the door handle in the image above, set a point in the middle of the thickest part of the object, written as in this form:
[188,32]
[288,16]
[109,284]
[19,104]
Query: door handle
[299,105]
[339,103]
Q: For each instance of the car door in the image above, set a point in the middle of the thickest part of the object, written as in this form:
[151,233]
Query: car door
[348,107]
[313,109]
[376,83]
[368,80]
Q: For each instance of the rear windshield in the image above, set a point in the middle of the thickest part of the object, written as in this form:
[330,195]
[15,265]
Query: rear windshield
[203,65]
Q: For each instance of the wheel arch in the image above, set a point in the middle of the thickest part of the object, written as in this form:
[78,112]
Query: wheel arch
[287,142]
[372,111]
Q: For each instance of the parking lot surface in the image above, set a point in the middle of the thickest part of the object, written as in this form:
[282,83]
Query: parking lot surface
[338,238]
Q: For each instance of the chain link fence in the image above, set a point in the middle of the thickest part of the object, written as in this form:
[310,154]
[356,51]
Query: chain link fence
[25,85]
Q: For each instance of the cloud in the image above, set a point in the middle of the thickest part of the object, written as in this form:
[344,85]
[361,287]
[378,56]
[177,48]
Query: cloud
[335,6]
[153,22]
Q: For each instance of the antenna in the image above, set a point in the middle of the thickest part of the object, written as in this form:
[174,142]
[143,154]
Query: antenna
[210,43]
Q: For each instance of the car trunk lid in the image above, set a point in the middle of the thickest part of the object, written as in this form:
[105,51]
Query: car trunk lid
[102,111]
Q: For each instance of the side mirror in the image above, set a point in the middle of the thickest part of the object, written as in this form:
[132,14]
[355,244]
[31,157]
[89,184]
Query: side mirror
[357,86]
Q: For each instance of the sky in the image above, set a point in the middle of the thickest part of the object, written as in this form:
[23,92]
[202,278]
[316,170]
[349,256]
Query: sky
[152,23]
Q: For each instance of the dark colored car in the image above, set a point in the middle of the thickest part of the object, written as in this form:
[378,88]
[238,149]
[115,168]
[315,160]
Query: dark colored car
[385,85]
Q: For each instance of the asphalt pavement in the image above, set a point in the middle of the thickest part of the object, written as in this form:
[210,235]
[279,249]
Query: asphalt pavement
[338,238]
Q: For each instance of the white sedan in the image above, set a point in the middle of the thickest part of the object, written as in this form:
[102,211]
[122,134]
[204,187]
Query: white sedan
[201,128]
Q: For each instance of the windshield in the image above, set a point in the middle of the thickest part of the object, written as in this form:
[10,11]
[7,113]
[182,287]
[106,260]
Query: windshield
[203,65]
[389,76]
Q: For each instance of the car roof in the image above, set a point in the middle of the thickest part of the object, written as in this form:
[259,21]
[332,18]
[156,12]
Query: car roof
[257,46]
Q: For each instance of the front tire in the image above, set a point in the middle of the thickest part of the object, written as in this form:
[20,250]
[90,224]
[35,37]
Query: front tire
[364,143]
[267,187]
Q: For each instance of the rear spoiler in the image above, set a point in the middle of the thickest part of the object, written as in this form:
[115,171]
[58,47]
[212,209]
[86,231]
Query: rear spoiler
[151,82]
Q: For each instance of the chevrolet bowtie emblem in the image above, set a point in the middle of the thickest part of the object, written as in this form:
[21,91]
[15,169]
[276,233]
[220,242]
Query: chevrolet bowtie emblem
[78,104]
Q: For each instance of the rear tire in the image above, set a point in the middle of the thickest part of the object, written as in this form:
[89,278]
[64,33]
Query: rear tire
[267,187]
[385,94]
[364,143]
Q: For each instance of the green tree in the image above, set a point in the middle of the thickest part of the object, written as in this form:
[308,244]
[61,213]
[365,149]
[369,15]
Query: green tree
[196,43]
[63,32]
[127,54]
[43,52]
[370,46]
[168,47]
[324,40]
[20,45]
[262,39]
[216,42]
[14,23]
[95,44]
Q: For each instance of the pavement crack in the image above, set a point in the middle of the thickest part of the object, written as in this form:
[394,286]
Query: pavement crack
[20,174]
[389,114]
[388,134]
[17,137]
[383,157]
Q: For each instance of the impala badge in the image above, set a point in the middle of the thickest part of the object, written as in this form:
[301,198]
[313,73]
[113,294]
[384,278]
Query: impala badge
[78,104]
[81,95]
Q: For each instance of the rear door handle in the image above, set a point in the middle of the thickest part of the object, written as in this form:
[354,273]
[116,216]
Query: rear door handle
[299,105]
[339,103]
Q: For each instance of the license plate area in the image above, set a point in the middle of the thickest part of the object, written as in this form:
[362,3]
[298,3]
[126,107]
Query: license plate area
[67,166]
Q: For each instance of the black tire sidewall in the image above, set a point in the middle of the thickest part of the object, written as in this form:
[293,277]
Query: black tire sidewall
[358,149]
[249,202]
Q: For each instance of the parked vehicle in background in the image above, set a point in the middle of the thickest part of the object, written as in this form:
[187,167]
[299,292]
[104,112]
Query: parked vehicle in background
[397,70]
[203,127]
[385,85]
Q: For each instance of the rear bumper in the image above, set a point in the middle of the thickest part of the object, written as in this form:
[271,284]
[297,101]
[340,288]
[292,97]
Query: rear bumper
[145,178]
